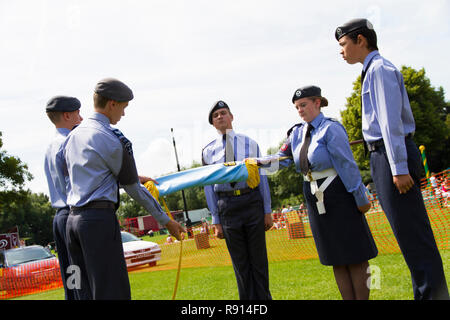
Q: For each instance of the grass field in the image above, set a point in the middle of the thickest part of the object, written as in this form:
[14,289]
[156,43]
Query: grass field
[289,280]
[294,269]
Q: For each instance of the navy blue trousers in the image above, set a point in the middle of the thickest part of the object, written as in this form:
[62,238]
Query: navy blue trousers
[59,234]
[408,218]
[242,220]
[95,246]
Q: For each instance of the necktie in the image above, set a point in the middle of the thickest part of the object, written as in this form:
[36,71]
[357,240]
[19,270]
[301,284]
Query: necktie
[304,163]
[363,75]
[229,152]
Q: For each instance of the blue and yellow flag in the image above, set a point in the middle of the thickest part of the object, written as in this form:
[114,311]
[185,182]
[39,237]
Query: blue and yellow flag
[246,170]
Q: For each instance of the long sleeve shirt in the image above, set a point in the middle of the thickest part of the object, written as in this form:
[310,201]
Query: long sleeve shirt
[93,158]
[244,147]
[57,182]
[329,148]
[386,112]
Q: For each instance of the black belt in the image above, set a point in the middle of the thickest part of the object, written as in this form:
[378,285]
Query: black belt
[234,193]
[372,146]
[101,204]
[60,209]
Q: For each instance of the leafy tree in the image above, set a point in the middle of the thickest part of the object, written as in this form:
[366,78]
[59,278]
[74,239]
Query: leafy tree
[431,113]
[13,172]
[129,208]
[351,119]
[32,213]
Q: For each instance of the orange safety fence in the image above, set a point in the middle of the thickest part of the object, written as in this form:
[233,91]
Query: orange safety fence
[30,278]
[289,239]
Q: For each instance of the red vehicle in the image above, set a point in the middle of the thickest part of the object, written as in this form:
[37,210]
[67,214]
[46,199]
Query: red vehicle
[25,268]
[140,225]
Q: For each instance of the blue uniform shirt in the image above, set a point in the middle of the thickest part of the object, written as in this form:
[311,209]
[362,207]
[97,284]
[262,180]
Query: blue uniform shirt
[93,158]
[244,147]
[329,148]
[56,181]
[386,112]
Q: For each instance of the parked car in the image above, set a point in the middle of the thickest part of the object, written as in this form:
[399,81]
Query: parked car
[139,252]
[27,267]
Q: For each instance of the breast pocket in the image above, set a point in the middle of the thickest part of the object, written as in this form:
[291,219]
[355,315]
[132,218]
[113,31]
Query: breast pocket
[365,95]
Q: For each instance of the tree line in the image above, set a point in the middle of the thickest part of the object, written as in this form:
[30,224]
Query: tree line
[34,214]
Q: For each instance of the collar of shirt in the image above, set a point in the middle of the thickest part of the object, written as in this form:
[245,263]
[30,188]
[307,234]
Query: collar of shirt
[62,131]
[317,120]
[230,133]
[101,118]
[369,58]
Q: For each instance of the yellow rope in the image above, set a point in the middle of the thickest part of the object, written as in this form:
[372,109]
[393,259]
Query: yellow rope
[178,270]
[155,193]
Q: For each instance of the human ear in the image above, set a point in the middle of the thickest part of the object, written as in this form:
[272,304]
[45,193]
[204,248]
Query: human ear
[361,41]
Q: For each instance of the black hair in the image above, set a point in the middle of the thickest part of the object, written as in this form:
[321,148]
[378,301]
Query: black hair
[369,34]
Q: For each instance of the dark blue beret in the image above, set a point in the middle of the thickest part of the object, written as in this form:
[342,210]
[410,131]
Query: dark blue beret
[352,25]
[309,91]
[63,104]
[114,89]
[216,106]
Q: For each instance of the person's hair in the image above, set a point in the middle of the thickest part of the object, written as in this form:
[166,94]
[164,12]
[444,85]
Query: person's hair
[100,101]
[54,116]
[323,101]
[370,35]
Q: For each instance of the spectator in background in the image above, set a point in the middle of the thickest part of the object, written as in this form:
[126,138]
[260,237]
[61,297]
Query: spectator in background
[445,190]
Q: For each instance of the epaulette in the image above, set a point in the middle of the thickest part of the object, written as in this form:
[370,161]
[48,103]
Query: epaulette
[334,120]
[292,128]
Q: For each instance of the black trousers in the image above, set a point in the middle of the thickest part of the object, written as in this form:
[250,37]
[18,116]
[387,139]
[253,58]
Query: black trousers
[59,234]
[408,218]
[95,246]
[242,220]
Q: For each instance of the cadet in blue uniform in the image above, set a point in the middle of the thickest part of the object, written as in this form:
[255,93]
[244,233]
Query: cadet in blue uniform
[239,214]
[335,195]
[98,158]
[64,113]
[388,127]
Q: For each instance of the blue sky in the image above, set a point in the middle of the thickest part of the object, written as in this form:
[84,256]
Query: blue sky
[179,57]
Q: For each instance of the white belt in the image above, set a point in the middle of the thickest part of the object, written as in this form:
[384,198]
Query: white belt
[312,177]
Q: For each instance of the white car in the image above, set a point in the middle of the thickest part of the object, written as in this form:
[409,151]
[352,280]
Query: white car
[138,252]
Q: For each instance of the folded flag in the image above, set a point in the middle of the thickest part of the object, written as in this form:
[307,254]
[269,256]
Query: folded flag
[246,170]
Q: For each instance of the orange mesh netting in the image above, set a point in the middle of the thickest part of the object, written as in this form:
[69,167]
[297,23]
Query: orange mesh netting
[289,239]
[29,278]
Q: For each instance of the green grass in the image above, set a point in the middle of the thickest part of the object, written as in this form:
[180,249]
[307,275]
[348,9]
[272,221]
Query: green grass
[289,280]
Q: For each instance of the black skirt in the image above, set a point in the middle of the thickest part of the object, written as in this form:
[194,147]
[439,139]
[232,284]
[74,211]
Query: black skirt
[342,235]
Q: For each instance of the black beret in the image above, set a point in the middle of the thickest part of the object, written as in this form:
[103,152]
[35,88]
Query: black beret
[114,89]
[63,104]
[216,106]
[352,25]
[309,91]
